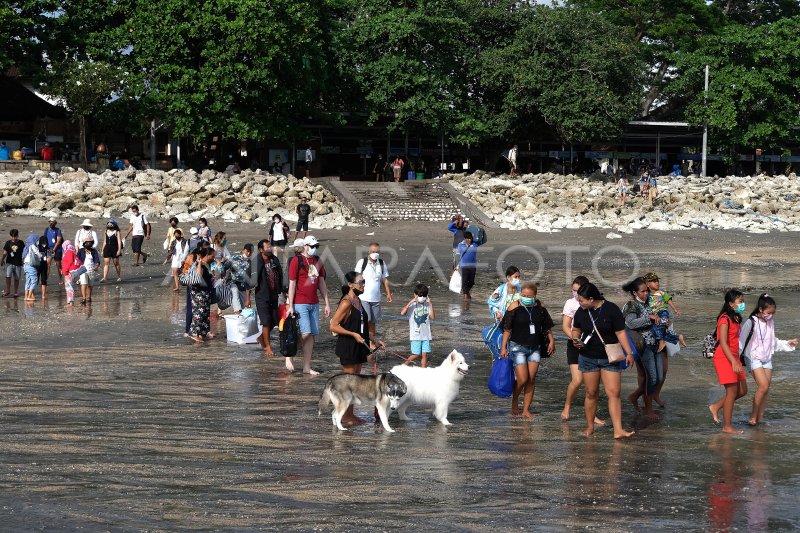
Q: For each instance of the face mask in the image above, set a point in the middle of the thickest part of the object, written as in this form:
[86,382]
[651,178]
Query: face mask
[312,252]
[515,283]
[374,256]
[740,307]
[421,299]
[526,301]
[275,220]
[768,317]
[575,294]
[173,224]
[224,242]
[357,291]
[87,245]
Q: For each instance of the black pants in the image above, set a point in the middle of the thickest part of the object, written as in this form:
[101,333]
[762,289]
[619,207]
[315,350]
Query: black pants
[467,279]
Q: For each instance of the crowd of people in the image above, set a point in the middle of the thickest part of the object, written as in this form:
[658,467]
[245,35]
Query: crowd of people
[602,339]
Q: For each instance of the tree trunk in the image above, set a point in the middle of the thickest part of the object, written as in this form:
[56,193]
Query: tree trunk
[82,125]
[655,89]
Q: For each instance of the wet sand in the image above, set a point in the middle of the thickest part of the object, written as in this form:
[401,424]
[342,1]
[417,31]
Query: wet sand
[113,421]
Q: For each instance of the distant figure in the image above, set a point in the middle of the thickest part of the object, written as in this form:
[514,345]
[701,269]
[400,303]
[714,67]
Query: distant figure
[512,159]
[309,159]
[277,166]
[4,153]
[48,153]
[397,168]
[118,164]
[378,168]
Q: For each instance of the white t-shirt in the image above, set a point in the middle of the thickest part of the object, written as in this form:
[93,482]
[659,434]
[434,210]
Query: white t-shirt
[89,261]
[419,323]
[81,236]
[138,222]
[570,307]
[373,278]
[277,232]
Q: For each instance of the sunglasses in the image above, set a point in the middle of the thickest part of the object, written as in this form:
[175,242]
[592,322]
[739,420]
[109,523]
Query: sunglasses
[360,282]
[315,246]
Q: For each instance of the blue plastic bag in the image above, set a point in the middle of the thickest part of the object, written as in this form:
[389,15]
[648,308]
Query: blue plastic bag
[493,338]
[501,379]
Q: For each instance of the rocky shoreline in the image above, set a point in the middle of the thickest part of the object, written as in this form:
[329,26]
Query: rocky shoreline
[186,194]
[552,202]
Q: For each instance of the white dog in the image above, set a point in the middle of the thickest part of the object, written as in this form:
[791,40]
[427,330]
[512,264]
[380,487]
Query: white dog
[435,387]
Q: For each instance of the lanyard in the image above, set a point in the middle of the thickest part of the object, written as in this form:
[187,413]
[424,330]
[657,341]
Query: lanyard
[592,318]
[530,316]
[760,334]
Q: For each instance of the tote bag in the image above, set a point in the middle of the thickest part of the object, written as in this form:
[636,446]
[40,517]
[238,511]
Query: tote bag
[501,379]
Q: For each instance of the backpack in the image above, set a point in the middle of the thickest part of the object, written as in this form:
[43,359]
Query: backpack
[34,257]
[478,235]
[747,340]
[366,260]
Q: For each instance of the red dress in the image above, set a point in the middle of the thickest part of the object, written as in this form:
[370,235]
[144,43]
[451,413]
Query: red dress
[722,365]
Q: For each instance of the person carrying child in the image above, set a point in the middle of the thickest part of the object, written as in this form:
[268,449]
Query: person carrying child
[659,303]
[420,313]
[757,343]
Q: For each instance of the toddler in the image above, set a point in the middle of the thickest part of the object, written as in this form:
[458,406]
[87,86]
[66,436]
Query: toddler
[420,314]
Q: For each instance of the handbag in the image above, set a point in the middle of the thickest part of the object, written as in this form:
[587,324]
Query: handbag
[192,278]
[289,333]
[455,282]
[501,378]
[614,352]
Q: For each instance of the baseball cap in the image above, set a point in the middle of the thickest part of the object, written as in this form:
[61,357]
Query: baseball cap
[193,230]
[310,241]
[298,243]
[52,219]
[651,276]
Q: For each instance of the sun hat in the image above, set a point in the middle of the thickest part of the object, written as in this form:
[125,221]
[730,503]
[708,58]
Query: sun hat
[86,222]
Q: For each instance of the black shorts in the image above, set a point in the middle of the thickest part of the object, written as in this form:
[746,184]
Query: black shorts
[302,225]
[279,243]
[467,279]
[42,270]
[267,314]
[572,354]
[137,243]
[58,254]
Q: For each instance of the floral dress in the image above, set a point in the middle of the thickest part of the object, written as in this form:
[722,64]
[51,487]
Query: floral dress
[201,306]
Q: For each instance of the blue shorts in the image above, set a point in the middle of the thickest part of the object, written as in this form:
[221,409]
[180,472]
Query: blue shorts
[523,354]
[752,364]
[308,315]
[420,347]
[590,364]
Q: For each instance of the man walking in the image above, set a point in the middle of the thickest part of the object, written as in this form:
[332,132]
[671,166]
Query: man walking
[306,282]
[54,241]
[12,261]
[309,159]
[269,281]
[375,274]
[141,231]
[512,159]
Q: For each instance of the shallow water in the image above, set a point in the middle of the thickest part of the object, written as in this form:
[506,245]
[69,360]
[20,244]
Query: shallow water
[111,421]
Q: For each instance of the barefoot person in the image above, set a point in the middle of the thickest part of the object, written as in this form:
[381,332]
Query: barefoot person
[112,250]
[140,229]
[350,323]
[729,368]
[306,282]
[269,285]
[650,364]
[595,318]
[527,332]
[758,343]
[567,316]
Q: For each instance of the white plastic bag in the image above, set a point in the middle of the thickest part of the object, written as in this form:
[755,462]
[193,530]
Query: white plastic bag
[673,349]
[239,327]
[455,282]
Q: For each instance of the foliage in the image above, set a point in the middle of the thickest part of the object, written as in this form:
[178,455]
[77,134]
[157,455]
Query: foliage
[754,90]
[22,24]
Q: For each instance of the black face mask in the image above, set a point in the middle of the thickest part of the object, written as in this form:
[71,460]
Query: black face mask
[358,291]
[87,245]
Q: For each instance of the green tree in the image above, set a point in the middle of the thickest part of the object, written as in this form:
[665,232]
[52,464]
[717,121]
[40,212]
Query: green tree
[757,12]
[569,68]
[407,59]
[754,89]
[83,88]
[23,26]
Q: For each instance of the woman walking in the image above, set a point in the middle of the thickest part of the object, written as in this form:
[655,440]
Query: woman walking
[112,250]
[650,364]
[201,297]
[527,333]
[729,368]
[506,294]
[758,343]
[350,323]
[278,234]
[599,323]
[178,251]
[567,316]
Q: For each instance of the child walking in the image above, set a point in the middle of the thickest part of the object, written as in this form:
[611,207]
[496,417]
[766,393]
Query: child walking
[659,303]
[420,313]
[757,342]
[726,359]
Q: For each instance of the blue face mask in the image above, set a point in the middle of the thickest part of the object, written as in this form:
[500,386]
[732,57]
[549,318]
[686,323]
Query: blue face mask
[526,301]
[740,308]
[515,282]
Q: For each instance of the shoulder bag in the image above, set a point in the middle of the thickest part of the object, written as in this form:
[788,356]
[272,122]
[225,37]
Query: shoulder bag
[614,352]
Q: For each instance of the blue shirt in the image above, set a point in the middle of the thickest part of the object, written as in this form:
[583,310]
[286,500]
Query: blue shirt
[52,236]
[4,152]
[469,255]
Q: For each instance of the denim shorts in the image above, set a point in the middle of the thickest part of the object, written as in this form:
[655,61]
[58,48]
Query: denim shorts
[420,347]
[308,315]
[752,364]
[523,354]
[590,364]
[13,271]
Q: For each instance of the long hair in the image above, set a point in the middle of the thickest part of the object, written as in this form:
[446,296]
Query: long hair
[730,297]
[350,277]
[764,301]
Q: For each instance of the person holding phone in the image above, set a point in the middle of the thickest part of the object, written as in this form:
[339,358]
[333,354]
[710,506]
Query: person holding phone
[598,323]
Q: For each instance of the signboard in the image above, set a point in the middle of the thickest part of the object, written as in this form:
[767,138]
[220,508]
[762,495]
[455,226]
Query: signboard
[769,158]
[597,155]
[560,154]
[330,149]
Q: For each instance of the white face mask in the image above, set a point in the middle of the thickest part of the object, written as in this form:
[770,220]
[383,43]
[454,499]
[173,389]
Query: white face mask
[374,256]
[421,299]
[312,252]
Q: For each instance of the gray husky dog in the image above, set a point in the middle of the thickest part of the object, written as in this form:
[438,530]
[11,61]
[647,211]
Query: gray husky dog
[383,390]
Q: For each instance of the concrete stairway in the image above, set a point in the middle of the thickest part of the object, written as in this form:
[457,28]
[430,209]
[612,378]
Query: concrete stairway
[423,200]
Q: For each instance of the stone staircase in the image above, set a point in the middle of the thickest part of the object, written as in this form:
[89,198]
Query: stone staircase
[423,200]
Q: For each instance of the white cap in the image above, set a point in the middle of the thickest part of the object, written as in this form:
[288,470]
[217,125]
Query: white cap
[310,241]
[298,243]
[193,230]
[52,219]
[86,222]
